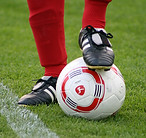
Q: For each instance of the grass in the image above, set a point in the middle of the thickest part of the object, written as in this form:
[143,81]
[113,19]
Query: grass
[19,64]
[5,130]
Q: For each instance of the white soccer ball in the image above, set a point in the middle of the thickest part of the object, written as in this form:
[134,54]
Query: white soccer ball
[90,94]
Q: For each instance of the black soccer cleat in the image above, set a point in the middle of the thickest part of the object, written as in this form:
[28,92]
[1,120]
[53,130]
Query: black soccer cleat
[42,93]
[96,48]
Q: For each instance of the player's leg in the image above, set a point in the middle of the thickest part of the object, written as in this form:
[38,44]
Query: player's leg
[93,39]
[47,23]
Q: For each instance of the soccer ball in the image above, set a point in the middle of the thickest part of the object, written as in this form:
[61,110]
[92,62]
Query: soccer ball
[90,94]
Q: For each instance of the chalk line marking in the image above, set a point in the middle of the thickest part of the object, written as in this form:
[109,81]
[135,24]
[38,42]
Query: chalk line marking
[24,123]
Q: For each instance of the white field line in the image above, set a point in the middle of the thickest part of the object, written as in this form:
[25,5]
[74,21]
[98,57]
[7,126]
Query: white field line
[24,123]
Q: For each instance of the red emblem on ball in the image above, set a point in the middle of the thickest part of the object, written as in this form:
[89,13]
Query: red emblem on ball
[80,90]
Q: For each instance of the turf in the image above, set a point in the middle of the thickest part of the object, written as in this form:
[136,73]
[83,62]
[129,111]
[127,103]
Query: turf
[5,130]
[19,65]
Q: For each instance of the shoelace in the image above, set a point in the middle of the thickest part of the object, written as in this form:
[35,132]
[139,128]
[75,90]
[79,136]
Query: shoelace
[51,81]
[91,30]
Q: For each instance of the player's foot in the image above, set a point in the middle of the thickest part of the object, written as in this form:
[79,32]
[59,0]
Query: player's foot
[42,93]
[97,52]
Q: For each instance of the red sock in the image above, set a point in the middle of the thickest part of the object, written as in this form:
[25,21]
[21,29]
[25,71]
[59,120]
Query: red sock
[94,13]
[47,23]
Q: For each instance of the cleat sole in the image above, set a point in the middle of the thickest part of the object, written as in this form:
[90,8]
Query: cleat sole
[98,67]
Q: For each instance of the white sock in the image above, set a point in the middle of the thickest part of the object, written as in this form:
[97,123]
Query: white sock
[45,77]
[99,29]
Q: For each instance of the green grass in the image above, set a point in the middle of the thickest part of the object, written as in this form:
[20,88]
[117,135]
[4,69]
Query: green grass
[19,64]
[5,130]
